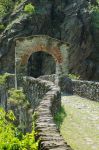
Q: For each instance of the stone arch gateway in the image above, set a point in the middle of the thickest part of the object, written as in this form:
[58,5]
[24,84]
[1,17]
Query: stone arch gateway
[41,63]
[25,46]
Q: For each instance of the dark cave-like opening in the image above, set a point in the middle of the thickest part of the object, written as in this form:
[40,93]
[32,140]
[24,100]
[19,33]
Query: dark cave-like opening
[41,63]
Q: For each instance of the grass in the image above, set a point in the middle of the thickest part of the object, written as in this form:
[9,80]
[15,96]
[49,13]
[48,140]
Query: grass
[80,125]
[59,117]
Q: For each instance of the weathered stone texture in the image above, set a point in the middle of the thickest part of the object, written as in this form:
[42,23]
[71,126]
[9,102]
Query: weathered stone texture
[66,20]
[34,89]
[86,89]
[62,81]
[65,84]
[47,131]
[25,47]
[45,99]
[3,96]
[10,83]
[23,114]
[51,78]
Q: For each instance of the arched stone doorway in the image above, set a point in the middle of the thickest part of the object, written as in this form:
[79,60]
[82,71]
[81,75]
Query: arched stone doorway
[26,46]
[41,63]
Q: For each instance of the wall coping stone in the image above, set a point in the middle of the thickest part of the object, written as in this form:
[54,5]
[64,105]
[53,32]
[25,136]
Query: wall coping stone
[87,89]
[45,125]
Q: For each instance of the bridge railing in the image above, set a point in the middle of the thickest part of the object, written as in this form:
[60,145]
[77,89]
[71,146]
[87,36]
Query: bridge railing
[87,89]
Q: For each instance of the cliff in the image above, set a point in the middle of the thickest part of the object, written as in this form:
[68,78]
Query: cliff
[66,20]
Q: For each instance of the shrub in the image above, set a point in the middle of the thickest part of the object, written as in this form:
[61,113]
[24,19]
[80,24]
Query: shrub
[11,138]
[95,17]
[7,130]
[5,6]
[94,10]
[29,8]
[73,76]
[59,117]
[3,78]
[2,27]
[18,97]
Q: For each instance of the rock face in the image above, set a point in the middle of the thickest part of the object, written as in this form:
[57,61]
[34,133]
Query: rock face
[67,20]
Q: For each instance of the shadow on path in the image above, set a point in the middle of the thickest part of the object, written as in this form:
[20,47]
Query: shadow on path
[66,94]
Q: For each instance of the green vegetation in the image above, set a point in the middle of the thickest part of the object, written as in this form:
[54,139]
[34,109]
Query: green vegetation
[29,8]
[2,27]
[17,3]
[95,17]
[17,97]
[5,6]
[80,126]
[3,78]
[11,138]
[59,117]
[73,76]
[94,9]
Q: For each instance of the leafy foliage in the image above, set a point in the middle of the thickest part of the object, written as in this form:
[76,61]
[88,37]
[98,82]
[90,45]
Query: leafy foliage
[18,97]
[11,138]
[3,78]
[94,9]
[59,117]
[5,6]
[2,27]
[29,8]
[95,17]
[73,76]
[17,4]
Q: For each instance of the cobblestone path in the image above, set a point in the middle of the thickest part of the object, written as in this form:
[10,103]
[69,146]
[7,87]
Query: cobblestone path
[80,127]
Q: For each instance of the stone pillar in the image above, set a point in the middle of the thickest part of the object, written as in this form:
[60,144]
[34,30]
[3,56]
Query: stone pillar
[58,72]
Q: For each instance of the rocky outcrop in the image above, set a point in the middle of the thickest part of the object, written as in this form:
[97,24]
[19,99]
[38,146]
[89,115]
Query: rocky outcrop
[67,20]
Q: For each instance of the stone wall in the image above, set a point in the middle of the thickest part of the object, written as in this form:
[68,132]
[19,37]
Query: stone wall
[62,81]
[51,78]
[26,46]
[4,87]
[34,89]
[45,99]
[3,96]
[23,114]
[86,89]
[48,107]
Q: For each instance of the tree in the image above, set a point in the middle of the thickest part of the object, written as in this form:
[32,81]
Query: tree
[5,6]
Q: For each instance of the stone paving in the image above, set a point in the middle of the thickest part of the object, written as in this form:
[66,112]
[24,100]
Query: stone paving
[80,128]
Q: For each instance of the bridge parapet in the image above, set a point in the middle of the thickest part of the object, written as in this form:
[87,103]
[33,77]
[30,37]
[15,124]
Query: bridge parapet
[45,97]
[87,89]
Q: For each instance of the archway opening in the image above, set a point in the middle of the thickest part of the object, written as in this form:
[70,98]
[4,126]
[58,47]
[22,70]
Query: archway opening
[41,63]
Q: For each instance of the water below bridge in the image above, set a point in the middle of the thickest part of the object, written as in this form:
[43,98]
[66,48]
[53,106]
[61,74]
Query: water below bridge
[80,126]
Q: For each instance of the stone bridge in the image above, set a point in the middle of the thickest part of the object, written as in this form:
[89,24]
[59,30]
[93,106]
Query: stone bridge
[45,99]
[45,96]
